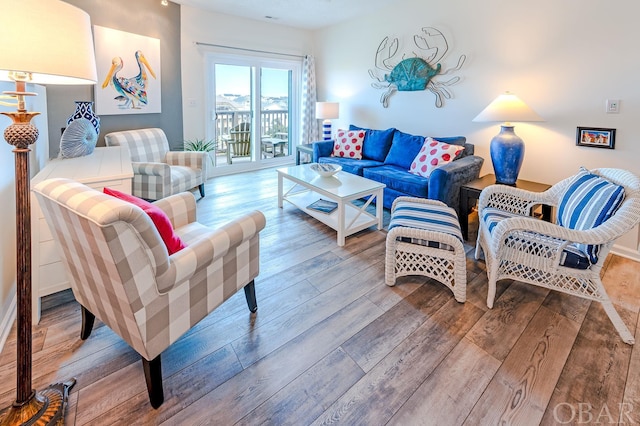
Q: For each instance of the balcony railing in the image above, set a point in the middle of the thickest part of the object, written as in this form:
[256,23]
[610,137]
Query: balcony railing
[273,124]
[272,121]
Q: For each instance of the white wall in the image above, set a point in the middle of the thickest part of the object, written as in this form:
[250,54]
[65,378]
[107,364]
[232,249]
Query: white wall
[560,57]
[205,27]
[563,58]
[39,156]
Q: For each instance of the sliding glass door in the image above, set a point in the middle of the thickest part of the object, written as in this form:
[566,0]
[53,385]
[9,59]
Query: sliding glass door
[253,110]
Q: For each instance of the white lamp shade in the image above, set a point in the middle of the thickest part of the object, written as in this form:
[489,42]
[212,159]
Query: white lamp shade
[49,39]
[508,108]
[327,110]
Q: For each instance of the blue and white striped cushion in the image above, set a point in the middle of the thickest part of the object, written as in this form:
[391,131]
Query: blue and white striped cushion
[572,256]
[426,216]
[589,201]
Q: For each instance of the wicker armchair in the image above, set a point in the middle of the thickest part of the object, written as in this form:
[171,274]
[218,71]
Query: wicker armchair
[548,255]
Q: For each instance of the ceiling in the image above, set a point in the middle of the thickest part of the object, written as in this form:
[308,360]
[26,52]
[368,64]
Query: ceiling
[306,14]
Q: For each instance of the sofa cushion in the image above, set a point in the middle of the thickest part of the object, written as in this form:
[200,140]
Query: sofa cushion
[348,144]
[399,179]
[350,165]
[404,149]
[589,201]
[432,155]
[376,142]
[158,217]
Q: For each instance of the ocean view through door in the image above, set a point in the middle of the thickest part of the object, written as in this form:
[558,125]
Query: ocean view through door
[253,111]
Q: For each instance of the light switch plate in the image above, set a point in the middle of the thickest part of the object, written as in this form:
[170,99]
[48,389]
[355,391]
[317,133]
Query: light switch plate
[612,106]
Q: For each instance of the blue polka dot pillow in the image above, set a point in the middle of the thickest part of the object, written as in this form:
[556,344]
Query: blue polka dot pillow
[589,201]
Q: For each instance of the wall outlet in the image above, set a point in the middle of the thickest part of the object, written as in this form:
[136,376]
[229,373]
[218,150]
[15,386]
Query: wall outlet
[612,106]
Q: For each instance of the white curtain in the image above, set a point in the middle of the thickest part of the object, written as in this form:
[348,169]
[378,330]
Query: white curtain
[309,126]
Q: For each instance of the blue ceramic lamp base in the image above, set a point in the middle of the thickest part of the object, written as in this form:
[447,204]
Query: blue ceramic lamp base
[507,153]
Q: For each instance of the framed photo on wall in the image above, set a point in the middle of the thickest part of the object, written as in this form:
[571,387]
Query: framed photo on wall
[128,73]
[596,137]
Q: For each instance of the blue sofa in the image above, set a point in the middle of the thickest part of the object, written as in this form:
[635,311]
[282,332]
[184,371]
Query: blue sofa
[387,156]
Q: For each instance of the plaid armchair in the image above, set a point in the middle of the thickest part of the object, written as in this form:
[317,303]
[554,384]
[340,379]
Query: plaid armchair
[121,272]
[159,172]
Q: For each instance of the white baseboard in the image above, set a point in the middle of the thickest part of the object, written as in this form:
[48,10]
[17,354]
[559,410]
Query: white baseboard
[8,319]
[625,252]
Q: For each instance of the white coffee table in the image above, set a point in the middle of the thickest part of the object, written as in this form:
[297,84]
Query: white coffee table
[306,187]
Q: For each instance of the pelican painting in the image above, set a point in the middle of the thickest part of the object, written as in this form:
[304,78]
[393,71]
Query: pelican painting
[130,79]
[131,92]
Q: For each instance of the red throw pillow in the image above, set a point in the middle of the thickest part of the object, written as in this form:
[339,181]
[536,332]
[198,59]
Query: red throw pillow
[159,218]
[432,155]
[348,144]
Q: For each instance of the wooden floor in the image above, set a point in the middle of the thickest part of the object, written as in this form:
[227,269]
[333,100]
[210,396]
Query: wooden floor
[331,343]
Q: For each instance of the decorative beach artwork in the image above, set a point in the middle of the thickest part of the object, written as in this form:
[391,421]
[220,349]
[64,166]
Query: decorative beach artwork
[128,73]
[415,68]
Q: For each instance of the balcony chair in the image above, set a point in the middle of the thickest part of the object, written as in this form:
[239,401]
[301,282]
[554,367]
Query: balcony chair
[122,273]
[594,208]
[159,172]
[239,142]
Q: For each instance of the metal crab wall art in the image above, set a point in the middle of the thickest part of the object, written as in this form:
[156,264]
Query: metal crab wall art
[419,72]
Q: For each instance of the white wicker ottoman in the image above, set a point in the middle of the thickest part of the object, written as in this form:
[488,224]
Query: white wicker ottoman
[425,239]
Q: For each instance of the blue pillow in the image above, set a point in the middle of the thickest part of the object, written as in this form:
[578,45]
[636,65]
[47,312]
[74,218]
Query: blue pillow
[588,201]
[376,143]
[404,149]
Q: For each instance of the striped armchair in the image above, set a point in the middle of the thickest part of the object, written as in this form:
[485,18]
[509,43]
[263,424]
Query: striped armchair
[121,272]
[159,172]
[594,208]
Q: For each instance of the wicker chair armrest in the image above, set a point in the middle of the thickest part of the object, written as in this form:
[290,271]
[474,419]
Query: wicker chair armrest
[180,208]
[513,200]
[520,227]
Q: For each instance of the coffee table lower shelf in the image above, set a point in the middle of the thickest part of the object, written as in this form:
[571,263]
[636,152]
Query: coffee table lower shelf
[355,219]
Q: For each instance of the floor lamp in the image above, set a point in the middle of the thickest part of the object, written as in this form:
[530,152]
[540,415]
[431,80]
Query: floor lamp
[44,42]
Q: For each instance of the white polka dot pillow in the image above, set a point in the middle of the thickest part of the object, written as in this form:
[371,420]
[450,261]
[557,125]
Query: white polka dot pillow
[348,144]
[432,155]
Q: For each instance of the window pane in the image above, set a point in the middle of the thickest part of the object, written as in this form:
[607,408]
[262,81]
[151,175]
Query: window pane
[233,113]
[275,87]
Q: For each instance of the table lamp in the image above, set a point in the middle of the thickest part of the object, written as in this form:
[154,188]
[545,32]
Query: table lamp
[507,148]
[327,111]
[43,42]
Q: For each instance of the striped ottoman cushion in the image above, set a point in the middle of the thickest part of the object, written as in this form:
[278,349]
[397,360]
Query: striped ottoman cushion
[425,216]
[572,256]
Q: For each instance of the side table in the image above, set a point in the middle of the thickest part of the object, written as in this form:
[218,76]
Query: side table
[471,191]
[306,148]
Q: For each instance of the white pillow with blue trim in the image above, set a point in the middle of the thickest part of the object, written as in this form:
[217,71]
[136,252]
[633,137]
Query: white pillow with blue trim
[589,201]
